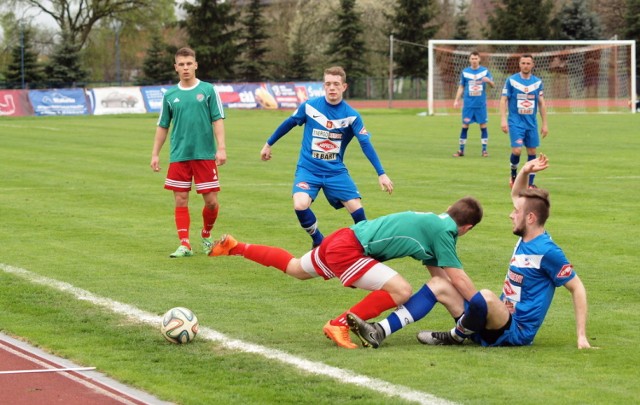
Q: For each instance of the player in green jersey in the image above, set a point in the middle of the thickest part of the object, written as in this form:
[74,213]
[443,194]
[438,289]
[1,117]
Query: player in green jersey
[194,109]
[355,255]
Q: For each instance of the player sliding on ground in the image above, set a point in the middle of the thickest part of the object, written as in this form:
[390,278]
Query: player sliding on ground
[355,255]
[538,266]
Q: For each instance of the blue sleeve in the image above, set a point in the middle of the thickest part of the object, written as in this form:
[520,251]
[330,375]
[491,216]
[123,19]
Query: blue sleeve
[370,153]
[557,267]
[282,130]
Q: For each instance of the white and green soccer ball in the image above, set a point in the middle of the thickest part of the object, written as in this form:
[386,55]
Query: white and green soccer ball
[179,325]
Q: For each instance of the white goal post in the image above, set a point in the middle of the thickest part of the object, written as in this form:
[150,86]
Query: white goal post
[578,76]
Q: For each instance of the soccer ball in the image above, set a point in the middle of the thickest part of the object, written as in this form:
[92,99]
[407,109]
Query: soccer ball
[179,325]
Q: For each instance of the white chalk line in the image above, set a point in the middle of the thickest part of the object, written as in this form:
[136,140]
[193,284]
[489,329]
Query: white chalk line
[312,367]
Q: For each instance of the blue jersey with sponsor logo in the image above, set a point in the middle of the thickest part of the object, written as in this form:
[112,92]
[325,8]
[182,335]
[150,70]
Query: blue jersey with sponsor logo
[523,97]
[537,267]
[475,94]
[328,129]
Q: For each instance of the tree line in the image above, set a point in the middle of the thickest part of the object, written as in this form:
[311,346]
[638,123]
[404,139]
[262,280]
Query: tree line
[253,40]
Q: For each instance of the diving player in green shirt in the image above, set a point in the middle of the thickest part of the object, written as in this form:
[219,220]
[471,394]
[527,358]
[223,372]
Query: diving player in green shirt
[355,255]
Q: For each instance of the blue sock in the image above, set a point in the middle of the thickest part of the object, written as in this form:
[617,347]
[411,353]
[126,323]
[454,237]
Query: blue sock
[309,223]
[418,306]
[358,215]
[463,138]
[515,159]
[484,138]
[474,319]
[531,176]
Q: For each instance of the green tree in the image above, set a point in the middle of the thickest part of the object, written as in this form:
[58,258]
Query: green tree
[346,46]
[575,21]
[24,60]
[413,25]
[252,66]
[158,63]
[462,22]
[210,25]
[77,18]
[63,68]
[298,67]
[517,19]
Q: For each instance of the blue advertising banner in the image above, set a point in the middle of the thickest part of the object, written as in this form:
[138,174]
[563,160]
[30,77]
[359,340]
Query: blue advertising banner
[286,95]
[152,96]
[59,102]
[240,95]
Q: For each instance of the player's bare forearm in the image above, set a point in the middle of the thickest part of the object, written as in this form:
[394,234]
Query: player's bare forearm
[544,131]
[503,115]
[158,141]
[461,282]
[579,296]
[221,147]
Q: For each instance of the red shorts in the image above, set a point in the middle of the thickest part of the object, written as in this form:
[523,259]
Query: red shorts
[341,255]
[203,172]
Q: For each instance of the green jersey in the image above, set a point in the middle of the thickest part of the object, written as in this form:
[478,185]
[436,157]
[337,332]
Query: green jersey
[422,235]
[192,111]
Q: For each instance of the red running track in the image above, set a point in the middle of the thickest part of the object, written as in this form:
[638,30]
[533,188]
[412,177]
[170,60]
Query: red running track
[27,377]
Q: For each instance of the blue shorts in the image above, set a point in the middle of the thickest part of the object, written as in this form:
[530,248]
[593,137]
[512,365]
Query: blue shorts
[527,137]
[336,188]
[475,115]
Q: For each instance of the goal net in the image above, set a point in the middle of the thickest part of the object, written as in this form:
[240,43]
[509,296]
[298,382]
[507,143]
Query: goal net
[578,76]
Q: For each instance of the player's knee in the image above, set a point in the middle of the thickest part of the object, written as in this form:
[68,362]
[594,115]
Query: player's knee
[295,269]
[403,292]
[489,296]
[438,285]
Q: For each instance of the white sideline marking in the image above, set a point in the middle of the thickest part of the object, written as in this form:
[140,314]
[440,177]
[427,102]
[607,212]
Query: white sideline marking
[47,370]
[313,367]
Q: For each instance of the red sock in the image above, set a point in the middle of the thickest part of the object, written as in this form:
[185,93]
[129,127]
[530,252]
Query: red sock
[268,256]
[183,221]
[375,303]
[208,220]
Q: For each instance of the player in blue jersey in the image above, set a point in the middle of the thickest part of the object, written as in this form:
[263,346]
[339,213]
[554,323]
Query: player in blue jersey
[537,267]
[523,97]
[473,86]
[329,125]
[194,110]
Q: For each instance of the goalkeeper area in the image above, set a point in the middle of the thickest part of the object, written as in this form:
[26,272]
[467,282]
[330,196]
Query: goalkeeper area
[578,76]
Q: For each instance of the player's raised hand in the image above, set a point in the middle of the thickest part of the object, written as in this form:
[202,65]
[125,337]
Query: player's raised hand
[538,164]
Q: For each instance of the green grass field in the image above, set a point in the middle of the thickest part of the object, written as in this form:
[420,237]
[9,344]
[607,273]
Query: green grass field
[79,204]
